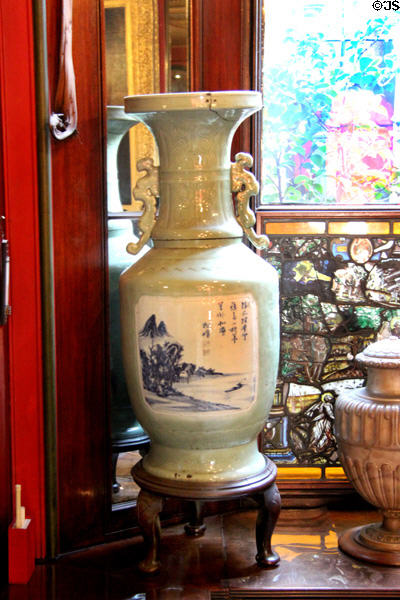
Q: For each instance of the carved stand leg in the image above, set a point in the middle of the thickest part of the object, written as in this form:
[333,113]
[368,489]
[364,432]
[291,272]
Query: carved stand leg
[270,506]
[196,526]
[149,507]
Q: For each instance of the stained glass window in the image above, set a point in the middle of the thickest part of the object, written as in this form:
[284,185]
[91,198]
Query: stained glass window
[339,291]
[331,103]
[331,119]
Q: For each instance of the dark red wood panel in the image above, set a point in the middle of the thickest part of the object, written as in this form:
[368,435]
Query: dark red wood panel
[5,458]
[217,36]
[78,172]
[224,53]
[5,449]
[23,351]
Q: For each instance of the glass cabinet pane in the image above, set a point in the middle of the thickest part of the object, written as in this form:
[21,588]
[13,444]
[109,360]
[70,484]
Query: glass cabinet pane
[140,36]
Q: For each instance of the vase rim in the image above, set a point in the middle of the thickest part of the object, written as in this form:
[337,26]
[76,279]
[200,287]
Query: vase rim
[234,99]
[118,113]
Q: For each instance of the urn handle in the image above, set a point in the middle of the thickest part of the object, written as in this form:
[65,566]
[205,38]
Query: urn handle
[245,185]
[146,190]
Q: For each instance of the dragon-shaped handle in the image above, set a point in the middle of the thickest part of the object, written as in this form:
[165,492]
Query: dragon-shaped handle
[146,190]
[245,185]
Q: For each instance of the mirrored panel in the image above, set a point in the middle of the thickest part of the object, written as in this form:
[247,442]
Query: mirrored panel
[132,67]
[177,45]
[147,51]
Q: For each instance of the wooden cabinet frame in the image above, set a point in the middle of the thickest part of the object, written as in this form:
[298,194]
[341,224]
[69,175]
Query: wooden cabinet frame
[56,224]
[22,334]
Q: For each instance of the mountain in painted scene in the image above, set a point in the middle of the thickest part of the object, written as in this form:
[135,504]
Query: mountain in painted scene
[152,330]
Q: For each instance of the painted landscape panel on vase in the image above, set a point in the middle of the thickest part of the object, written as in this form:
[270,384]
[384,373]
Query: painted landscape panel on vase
[198,354]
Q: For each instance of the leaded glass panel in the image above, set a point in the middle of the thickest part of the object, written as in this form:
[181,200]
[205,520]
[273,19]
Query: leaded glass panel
[338,293]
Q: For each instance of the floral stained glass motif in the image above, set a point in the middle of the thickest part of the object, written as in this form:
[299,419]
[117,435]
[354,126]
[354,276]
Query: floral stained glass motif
[359,147]
[331,87]
[338,294]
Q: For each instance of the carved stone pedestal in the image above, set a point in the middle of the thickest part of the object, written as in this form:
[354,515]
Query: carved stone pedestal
[155,490]
[374,543]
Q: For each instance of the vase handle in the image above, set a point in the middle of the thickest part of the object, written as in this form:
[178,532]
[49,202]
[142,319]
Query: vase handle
[146,191]
[245,185]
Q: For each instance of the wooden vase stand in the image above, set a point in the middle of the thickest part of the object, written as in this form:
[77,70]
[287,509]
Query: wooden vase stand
[155,490]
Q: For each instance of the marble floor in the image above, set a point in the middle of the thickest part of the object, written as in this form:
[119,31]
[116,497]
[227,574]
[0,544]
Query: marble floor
[219,565]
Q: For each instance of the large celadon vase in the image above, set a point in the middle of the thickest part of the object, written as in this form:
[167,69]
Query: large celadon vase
[199,312]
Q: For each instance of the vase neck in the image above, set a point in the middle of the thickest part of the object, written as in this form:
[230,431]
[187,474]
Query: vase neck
[195,185]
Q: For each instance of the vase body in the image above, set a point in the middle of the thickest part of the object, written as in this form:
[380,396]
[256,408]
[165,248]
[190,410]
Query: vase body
[368,436]
[199,312]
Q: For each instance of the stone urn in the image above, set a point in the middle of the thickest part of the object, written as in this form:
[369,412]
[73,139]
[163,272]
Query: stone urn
[368,436]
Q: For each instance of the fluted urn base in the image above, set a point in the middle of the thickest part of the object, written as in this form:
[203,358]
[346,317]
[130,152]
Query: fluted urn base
[374,542]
